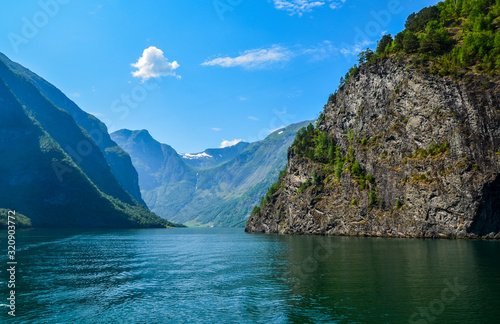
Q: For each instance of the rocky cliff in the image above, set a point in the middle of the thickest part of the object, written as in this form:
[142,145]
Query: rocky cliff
[119,161]
[416,155]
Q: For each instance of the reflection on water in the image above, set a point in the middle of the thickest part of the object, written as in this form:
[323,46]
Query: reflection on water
[225,275]
[390,280]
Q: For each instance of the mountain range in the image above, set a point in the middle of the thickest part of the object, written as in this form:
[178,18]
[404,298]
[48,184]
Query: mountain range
[216,187]
[65,170]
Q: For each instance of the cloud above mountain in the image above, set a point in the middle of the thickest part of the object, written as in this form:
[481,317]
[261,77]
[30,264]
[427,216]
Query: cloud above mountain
[153,64]
[274,56]
[230,143]
[254,59]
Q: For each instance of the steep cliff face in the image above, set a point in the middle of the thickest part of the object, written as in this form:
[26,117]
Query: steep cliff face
[119,161]
[421,159]
[63,129]
[40,180]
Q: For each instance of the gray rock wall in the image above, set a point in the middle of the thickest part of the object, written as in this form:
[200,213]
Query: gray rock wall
[392,110]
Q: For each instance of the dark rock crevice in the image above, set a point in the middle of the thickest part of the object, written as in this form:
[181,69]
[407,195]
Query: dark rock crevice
[487,221]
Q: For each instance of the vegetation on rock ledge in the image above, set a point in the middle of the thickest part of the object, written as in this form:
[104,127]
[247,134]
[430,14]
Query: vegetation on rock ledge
[321,148]
[451,38]
[19,220]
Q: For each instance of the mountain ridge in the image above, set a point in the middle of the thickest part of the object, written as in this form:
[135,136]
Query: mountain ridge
[119,161]
[44,179]
[213,157]
[220,194]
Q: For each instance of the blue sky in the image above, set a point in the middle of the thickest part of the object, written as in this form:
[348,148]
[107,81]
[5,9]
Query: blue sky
[197,73]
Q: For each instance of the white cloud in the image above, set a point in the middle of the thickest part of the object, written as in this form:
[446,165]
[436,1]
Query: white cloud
[230,143]
[76,95]
[336,4]
[253,118]
[243,98]
[254,59]
[153,64]
[262,58]
[215,129]
[299,7]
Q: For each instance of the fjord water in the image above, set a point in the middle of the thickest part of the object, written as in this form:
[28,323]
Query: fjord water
[225,275]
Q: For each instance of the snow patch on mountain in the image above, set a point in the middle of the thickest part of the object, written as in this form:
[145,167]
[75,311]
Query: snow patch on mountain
[196,156]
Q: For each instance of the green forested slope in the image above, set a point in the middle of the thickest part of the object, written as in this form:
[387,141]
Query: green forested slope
[40,180]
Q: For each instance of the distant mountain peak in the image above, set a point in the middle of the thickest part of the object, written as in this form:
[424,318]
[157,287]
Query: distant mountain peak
[218,186]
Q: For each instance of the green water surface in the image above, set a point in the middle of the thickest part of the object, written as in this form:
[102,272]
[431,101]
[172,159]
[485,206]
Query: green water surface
[201,275]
